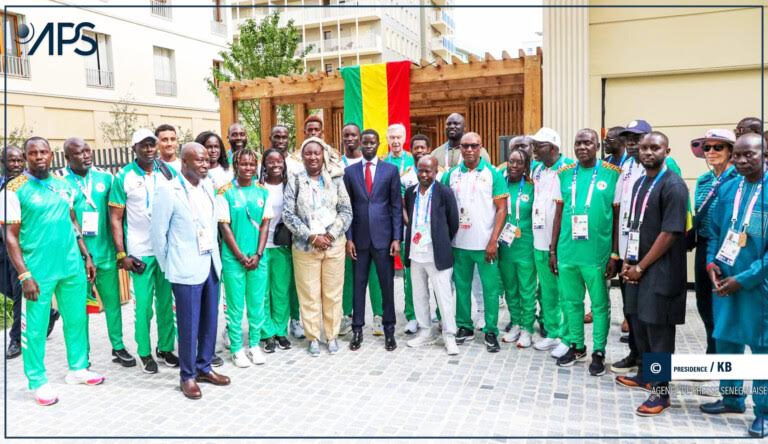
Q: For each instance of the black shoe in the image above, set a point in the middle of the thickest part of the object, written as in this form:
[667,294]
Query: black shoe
[123,358]
[283,343]
[269,345]
[168,358]
[491,343]
[572,356]
[626,365]
[14,350]
[624,339]
[55,315]
[597,366]
[148,365]
[390,343]
[216,361]
[719,407]
[357,340]
[464,334]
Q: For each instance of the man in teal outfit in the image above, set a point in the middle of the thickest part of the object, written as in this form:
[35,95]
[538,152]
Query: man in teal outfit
[737,256]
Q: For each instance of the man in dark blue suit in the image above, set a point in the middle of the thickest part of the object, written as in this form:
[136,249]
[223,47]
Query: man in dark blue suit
[375,233]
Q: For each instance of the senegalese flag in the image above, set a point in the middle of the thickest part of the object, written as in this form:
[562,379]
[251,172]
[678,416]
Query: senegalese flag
[92,305]
[378,95]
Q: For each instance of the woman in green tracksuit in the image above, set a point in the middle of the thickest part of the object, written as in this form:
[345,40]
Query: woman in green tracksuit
[280,283]
[516,264]
[244,214]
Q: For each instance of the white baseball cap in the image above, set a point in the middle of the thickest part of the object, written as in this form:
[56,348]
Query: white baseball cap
[141,134]
[547,135]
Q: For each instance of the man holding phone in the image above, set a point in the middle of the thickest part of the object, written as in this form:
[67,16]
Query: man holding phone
[130,213]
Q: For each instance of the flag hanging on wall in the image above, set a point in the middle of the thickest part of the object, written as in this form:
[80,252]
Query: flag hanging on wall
[378,95]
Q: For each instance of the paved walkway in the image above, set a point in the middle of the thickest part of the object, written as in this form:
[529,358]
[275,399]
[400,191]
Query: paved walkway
[408,392]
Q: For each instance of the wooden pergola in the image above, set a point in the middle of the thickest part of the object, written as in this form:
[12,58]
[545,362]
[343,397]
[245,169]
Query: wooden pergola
[497,97]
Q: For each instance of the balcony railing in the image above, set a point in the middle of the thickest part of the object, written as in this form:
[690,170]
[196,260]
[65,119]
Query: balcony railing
[343,44]
[99,78]
[218,28]
[160,8]
[165,87]
[14,66]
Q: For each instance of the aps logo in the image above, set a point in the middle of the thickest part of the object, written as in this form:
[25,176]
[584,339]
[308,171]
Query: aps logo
[58,35]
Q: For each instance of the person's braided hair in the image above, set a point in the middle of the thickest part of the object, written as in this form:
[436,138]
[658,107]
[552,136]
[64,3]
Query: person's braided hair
[263,169]
[239,154]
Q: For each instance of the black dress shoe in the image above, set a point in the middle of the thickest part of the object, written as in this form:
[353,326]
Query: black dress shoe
[357,340]
[216,361]
[123,358]
[269,345]
[55,315]
[390,343]
[14,350]
[283,343]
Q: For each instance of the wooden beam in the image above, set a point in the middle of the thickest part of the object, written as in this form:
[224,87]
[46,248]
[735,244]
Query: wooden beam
[424,62]
[521,53]
[456,60]
[300,113]
[267,115]
[227,109]
[505,55]
[488,57]
[532,95]
[473,58]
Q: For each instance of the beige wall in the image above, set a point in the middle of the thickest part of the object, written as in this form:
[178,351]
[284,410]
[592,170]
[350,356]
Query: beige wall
[58,118]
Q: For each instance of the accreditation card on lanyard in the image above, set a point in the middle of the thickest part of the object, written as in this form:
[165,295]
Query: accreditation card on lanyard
[320,216]
[580,222]
[204,239]
[736,239]
[465,220]
[510,232]
[90,222]
[626,179]
[539,219]
[147,194]
[633,241]
[422,233]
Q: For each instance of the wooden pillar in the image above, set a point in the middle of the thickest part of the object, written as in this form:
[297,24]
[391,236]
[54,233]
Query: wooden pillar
[227,109]
[329,134]
[300,114]
[531,94]
[267,115]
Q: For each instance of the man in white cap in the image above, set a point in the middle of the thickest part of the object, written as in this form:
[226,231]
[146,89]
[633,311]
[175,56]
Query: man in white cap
[546,151]
[130,202]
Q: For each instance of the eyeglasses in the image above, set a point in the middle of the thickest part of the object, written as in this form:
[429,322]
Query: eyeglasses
[719,147]
[473,146]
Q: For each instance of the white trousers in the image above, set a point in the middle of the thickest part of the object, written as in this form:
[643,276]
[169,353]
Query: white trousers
[422,275]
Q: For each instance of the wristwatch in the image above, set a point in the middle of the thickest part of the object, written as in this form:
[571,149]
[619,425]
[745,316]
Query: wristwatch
[638,268]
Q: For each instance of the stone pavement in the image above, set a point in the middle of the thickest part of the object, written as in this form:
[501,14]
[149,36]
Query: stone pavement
[408,392]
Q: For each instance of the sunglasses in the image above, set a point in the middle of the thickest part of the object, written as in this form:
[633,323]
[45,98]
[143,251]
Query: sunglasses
[708,148]
[473,146]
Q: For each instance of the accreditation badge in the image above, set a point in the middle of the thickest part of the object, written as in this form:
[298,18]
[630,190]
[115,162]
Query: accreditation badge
[580,227]
[204,241]
[465,222]
[538,217]
[730,248]
[633,246]
[508,234]
[90,225]
[625,224]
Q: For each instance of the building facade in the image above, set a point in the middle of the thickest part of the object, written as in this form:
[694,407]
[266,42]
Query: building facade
[353,32]
[153,58]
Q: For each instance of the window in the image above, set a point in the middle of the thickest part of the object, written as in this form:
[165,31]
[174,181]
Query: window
[98,66]
[326,35]
[218,66]
[161,8]
[329,68]
[17,64]
[165,72]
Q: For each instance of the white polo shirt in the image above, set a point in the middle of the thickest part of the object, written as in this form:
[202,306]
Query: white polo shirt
[546,188]
[475,193]
[631,172]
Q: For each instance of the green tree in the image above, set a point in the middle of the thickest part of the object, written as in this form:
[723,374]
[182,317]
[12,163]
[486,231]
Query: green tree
[123,122]
[263,49]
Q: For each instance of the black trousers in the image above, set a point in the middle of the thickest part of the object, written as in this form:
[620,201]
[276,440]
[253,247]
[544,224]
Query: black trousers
[653,338]
[385,269]
[627,316]
[703,287]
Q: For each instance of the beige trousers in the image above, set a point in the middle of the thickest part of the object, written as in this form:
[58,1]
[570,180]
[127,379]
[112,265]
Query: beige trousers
[320,284]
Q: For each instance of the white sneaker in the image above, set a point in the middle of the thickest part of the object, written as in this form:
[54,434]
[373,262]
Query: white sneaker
[411,327]
[378,329]
[546,344]
[240,359]
[225,337]
[479,319]
[257,357]
[346,325]
[83,376]
[46,395]
[297,330]
[450,345]
[560,350]
[424,337]
[512,335]
[524,341]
